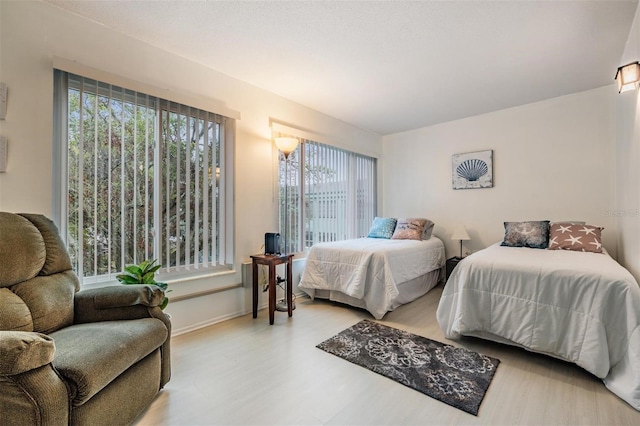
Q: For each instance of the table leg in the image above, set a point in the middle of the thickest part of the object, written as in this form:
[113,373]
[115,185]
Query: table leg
[255,289]
[272,292]
[290,287]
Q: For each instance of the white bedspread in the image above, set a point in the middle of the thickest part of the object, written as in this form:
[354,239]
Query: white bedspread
[580,307]
[370,269]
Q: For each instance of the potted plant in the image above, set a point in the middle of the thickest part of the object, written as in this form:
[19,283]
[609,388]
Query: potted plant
[144,273]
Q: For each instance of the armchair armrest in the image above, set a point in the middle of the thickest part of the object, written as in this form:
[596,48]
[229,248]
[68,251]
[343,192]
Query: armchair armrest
[22,351]
[123,295]
[31,391]
[119,302]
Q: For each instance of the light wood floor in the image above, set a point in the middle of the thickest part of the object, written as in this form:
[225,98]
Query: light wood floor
[245,372]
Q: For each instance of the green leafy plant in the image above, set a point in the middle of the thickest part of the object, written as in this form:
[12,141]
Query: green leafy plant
[144,273]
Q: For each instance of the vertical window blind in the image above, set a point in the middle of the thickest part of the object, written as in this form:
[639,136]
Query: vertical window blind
[145,179]
[331,195]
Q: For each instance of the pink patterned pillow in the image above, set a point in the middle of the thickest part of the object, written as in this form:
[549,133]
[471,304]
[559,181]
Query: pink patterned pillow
[575,237]
[409,229]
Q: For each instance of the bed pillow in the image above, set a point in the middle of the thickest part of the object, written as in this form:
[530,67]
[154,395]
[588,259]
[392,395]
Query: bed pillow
[428,229]
[575,237]
[532,234]
[382,227]
[409,229]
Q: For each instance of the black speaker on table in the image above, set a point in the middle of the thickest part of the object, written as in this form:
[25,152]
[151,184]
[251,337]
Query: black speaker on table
[271,243]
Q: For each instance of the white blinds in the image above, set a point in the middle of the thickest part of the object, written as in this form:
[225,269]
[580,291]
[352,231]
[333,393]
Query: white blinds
[331,195]
[193,150]
[145,178]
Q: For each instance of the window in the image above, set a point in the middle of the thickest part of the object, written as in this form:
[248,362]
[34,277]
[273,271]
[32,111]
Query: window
[143,178]
[326,194]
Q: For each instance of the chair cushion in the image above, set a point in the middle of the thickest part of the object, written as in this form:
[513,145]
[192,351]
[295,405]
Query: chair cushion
[49,299]
[57,258]
[22,250]
[90,356]
[14,313]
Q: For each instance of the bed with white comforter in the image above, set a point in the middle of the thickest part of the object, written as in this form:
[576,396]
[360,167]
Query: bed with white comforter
[579,307]
[376,274]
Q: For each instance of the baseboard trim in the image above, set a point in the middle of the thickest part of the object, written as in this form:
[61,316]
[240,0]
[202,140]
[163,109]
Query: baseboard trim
[206,292]
[212,321]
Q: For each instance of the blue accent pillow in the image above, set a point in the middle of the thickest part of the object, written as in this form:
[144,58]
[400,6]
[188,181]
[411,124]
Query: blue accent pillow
[382,227]
[533,234]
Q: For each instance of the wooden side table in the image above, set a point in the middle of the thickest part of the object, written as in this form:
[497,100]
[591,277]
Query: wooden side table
[272,261]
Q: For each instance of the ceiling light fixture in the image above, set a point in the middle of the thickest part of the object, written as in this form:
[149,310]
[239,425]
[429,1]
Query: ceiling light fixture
[628,77]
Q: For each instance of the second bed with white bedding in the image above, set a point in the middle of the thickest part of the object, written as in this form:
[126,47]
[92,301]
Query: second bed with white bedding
[376,274]
[580,307]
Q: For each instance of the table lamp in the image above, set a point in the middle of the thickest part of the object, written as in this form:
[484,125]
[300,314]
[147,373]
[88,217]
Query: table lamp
[460,233]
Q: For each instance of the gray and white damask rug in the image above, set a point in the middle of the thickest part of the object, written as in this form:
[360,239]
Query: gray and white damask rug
[456,376]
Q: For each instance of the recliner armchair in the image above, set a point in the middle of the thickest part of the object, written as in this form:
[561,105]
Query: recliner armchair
[92,357]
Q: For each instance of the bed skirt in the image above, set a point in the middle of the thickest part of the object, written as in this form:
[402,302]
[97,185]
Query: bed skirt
[408,291]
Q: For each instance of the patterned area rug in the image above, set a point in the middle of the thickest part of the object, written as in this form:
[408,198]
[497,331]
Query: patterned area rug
[456,376]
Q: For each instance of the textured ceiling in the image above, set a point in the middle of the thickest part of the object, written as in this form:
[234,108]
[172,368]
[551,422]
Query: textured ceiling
[388,66]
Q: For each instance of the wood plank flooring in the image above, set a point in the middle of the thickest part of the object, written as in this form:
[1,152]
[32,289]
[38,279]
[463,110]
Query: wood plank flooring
[246,372]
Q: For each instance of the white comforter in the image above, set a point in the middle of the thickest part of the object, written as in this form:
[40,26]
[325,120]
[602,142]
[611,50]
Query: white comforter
[580,307]
[370,269]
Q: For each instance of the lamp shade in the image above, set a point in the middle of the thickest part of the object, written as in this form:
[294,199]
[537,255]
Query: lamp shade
[286,145]
[628,77]
[460,233]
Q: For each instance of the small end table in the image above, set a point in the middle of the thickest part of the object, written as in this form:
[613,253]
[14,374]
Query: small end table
[272,261]
[451,264]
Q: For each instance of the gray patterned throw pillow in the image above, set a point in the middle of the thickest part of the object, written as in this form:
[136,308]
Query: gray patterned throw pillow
[533,234]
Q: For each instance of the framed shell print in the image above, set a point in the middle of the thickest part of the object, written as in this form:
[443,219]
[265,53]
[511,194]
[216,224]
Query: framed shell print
[473,170]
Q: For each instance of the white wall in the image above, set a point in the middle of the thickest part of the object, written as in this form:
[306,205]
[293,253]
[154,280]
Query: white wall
[32,33]
[552,160]
[628,162]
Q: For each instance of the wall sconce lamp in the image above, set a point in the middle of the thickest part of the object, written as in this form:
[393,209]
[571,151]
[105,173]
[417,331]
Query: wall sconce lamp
[460,233]
[628,77]
[286,145]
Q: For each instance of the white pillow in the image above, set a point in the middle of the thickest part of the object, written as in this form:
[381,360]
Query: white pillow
[428,230]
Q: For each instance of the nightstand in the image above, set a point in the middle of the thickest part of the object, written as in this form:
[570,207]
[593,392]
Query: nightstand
[272,261]
[451,264]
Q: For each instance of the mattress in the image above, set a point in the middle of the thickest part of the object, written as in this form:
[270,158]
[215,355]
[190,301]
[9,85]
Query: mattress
[369,272]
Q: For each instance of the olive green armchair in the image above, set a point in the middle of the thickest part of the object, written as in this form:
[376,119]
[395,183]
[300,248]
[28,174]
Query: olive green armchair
[93,357]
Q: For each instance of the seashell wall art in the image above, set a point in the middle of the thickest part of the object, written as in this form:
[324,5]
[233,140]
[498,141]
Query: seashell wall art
[473,170]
